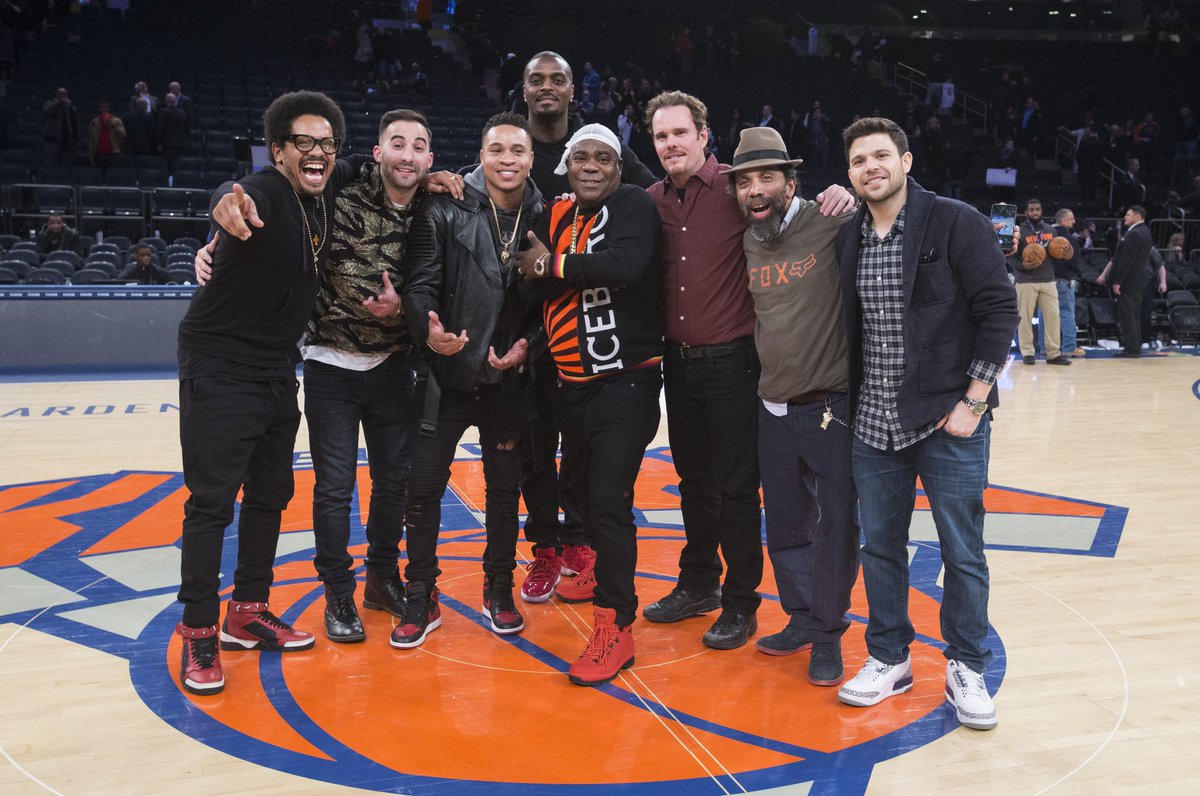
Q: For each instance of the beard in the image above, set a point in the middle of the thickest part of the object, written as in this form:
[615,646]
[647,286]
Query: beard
[767,227]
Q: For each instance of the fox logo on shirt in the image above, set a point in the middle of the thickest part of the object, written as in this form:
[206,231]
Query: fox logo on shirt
[774,274]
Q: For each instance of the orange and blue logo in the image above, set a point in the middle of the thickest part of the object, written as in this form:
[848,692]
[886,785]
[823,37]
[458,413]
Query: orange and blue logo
[95,560]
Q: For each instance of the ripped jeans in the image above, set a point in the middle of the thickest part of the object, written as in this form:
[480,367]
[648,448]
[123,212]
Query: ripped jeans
[498,413]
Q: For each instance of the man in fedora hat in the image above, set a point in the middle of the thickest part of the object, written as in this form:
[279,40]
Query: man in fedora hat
[710,373]
[803,437]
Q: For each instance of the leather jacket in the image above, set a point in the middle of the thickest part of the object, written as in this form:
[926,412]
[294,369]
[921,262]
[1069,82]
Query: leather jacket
[452,267]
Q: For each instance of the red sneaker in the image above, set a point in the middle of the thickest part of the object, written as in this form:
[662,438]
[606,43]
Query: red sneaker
[543,575]
[498,606]
[576,558]
[422,616]
[200,670]
[582,587]
[607,654]
[250,626]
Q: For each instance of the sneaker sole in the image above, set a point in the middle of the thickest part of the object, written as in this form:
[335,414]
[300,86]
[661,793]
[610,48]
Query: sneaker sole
[231,644]
[609,679]
[351,639]
[827,683]
[575,600]
[502,631]
[968,720]
[899,687]
[541,598]
[381,607]
[202,690]
[698,610]
[726,645]
[781,653]
[407,645]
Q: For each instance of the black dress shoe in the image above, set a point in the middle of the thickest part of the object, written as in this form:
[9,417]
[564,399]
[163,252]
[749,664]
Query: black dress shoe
[825,665]
[1058,360]
[1028,360]
[731,630]
[681,603]
[341,619]
[384,592]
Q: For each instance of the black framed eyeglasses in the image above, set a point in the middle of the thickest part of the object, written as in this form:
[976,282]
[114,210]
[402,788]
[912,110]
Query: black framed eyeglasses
[305,143]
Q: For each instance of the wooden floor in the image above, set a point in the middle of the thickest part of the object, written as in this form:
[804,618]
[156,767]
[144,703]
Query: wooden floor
[1094,556]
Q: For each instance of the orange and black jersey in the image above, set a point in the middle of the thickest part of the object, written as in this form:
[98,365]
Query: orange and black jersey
[603,303]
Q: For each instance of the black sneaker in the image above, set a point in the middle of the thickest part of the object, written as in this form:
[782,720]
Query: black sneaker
[788,641]
[422,616]
[681,603]
[498,606]
[384,592]
[1058,360]
[1028,360]
[341,619]
[825,665]
[731,630]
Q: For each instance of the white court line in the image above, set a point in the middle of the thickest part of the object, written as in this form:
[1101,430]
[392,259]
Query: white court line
[1124,683]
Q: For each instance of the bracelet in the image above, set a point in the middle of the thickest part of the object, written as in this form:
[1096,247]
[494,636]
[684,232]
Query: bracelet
[431,348]
[539,265]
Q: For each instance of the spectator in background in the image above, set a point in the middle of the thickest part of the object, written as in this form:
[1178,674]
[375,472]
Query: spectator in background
[142,92]
[424,15]
[172,131]
[1088,157]
[936,77]
[627,124]
[415,82]
[60,132]
[736,125]
[794,135]
[387,52]
[106,134]
[142,269]
[1068,273]
[818,133]
[56,236]
[1185,132]
[946,103]
[139,130]
[766,118]
[182,101]
[1145,139]
[591,79]
[1031,122]
[1131,189]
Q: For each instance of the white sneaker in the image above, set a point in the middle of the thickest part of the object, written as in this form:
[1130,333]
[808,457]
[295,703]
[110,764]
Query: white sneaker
[969,696]
[877,681]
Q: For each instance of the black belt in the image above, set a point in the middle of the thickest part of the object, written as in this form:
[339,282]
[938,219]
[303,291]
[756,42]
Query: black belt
[712,351]
[809,397]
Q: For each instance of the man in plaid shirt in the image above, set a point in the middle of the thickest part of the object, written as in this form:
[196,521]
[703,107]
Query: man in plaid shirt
[930,314]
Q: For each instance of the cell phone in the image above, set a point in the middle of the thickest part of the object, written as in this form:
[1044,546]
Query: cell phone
[1004,222]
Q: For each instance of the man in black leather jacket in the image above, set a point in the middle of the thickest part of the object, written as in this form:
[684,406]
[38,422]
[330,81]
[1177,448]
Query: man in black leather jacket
[460,274]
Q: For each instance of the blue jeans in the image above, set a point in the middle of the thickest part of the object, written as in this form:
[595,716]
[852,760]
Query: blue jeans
[953,471]
[1066,315]
[336,402]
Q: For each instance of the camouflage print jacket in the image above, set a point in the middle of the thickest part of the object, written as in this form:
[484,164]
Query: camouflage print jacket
[369,233]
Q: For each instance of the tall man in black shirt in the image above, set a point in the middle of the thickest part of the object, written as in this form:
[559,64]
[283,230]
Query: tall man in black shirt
[237,385]
[549,86]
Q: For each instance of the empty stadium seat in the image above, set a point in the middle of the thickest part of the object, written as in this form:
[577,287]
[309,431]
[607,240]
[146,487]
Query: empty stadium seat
[45,276]
[89,275]
[7,276]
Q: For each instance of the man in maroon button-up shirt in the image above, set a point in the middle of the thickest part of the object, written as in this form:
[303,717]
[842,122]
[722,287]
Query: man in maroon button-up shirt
[711,375]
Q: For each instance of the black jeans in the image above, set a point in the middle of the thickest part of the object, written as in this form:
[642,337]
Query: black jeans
[235,435]
[498,413]
[336,402]
[607,426]
[712,420]
[541,475]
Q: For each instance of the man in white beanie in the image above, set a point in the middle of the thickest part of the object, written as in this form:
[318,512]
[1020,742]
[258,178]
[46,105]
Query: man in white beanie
[592,263]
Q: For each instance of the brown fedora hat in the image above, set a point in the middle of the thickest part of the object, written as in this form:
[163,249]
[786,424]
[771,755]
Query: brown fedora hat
[761,148]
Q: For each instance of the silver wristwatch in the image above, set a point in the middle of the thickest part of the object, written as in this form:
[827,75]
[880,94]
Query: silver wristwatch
[978,407]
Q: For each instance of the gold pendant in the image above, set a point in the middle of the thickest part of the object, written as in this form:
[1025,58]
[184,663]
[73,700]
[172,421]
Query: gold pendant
[504,256]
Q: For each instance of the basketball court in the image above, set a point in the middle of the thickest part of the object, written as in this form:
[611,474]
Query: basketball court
[1092,546]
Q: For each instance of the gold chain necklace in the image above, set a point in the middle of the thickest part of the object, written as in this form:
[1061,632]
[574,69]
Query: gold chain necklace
[574,230]
[314,242]
[505,254]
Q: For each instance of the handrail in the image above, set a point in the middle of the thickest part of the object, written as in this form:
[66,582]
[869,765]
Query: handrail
[1066,146]
[913,81]
[1110,176]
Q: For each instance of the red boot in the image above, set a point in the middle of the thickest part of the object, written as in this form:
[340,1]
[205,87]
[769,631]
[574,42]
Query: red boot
[250,626]
[609,651]
[200,670]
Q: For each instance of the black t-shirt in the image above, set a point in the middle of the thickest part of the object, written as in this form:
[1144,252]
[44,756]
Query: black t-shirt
[247,321]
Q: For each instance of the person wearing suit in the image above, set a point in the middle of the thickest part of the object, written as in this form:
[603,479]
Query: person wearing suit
[1129,276]
[930,316]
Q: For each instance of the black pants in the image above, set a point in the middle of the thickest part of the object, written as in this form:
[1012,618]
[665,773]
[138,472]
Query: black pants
[235,435]
[540,473]
[336,402]
[712,419]
[1129,313]
[498,413]
[607,426]
[812,514]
